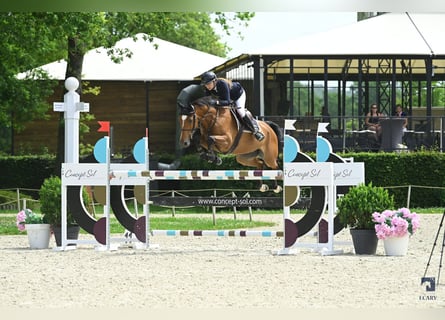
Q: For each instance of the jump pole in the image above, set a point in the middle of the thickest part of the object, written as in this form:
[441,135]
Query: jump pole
[294,174]
[215,175]
[199,174]
[219,233]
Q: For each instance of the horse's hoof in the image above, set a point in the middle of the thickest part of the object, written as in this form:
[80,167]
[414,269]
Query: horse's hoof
[264,188]
[278,189]
[218,161]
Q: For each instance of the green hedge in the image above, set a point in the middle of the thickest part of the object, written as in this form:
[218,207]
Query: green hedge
[382,169]
[26,172]
[403,169]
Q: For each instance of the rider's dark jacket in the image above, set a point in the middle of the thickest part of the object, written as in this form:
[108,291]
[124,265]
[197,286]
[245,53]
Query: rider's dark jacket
[226,95]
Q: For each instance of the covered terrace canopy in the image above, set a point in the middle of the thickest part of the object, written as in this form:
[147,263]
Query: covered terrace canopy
[159,60]
[386,58]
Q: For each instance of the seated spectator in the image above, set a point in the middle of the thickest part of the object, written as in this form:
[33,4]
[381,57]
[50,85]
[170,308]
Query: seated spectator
[372,120]
[400,113]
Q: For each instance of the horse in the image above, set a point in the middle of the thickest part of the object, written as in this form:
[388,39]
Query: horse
[221,132]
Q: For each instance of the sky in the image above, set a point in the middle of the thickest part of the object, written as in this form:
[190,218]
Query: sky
[269,28]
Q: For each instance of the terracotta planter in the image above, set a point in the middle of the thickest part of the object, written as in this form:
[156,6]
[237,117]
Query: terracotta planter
[38,235]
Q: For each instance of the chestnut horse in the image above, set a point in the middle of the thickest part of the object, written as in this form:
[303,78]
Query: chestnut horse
[218,130]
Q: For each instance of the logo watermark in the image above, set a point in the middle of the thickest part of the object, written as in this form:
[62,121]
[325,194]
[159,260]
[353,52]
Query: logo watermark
[430,288]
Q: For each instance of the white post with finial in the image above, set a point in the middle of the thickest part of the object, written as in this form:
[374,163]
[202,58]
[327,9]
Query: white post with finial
[72,107]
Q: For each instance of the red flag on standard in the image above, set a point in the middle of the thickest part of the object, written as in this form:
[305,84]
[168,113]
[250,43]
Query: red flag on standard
[104,126]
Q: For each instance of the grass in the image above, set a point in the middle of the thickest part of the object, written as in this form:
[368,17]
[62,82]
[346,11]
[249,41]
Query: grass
[193,223]
[183,219]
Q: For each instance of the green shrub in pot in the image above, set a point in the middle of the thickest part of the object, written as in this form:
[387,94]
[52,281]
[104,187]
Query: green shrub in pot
[51,201]
[355,208]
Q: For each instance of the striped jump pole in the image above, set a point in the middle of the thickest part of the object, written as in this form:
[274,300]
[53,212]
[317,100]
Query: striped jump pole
[219,233]
[199,174]
[141,235]
[142,230]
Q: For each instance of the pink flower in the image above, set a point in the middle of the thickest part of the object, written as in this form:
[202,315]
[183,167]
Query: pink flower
[388,213]
[407,214]
[395,223]
[382,230]
[377,217]
[415,221]
[20,220]
[26,216]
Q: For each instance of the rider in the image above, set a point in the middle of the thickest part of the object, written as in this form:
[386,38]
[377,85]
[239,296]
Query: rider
[229,92]
[187,96]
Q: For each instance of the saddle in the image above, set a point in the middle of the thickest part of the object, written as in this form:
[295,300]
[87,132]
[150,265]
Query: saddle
[240,126]
[239,122]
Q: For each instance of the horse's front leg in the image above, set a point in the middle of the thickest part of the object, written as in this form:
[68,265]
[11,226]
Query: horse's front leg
[197,140]
[264,187]
[210,155]
[276,187]
[251,160]
[222,143]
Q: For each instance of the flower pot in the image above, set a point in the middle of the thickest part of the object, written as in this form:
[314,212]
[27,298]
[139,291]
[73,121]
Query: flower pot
[396,246]
[38,235]
[365,241]
[72,233]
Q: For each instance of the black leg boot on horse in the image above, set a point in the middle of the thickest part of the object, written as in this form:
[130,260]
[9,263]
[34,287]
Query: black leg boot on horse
[252,125]
[211,155]
[206,155]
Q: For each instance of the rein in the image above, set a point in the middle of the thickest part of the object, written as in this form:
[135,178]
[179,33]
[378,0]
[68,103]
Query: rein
[207,114]
[238,135]
[214,120]
[197,121]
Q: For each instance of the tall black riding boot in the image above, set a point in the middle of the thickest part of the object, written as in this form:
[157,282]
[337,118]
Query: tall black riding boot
[252,125]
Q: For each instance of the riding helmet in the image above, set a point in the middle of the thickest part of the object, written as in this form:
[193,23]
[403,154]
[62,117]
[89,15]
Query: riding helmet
[207,77]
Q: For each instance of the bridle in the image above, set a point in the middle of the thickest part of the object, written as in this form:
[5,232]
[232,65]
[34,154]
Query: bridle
[197,121]
[194,127]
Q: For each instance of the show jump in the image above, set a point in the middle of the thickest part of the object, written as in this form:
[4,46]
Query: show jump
[328,176]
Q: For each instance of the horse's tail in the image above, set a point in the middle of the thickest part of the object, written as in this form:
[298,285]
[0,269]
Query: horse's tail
[276,128]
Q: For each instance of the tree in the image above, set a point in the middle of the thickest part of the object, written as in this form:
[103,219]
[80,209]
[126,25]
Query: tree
[25,45]
[108,28]
[36,38]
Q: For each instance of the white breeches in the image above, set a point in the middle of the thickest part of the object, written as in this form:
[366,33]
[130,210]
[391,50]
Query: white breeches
[240,105]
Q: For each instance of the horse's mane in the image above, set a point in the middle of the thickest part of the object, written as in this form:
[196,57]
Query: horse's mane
[204,101]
